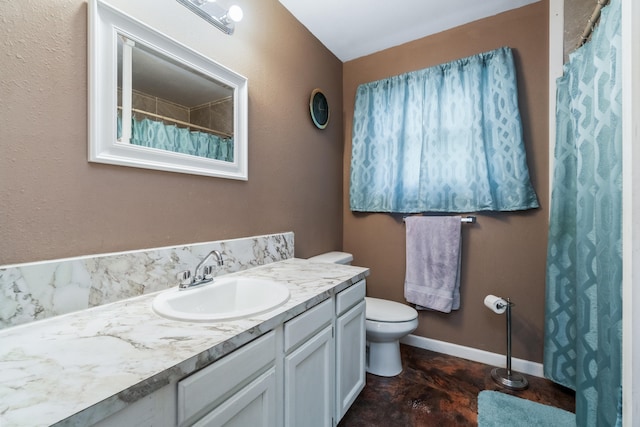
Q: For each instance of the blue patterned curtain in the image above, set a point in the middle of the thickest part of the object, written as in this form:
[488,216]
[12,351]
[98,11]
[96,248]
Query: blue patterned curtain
[153,134]
[583,323]
[443,139]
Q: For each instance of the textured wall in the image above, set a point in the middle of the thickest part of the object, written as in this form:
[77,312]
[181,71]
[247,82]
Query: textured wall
[56,204]
[576,17]
[504,253]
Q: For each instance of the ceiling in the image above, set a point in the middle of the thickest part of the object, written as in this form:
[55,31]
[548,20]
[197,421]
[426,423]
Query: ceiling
[158,75]
[354,28]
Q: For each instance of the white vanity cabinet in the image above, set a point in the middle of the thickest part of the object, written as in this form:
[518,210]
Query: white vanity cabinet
[306,372]
[309,371]
[254,405]
[350,346]
[237,390]
[157,409]
[324,365]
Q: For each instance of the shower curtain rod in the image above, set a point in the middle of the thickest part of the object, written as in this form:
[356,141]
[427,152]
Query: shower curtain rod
[592,22]
[179,122]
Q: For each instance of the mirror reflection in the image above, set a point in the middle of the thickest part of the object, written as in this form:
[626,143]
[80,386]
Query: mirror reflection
[164,104]
[156,103]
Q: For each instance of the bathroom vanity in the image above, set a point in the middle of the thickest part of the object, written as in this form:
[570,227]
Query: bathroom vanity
[122,364]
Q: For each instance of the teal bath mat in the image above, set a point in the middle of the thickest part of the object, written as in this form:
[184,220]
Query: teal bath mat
[497,409]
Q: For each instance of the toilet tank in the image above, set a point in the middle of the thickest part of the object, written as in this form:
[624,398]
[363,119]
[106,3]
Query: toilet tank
[334,257]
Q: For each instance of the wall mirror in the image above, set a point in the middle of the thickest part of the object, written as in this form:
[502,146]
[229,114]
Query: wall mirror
[157,104]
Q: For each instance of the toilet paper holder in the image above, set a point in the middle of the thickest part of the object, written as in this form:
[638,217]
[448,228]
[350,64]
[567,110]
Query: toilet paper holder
[506,377]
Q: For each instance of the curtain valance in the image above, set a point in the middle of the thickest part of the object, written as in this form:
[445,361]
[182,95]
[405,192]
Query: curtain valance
[443,139]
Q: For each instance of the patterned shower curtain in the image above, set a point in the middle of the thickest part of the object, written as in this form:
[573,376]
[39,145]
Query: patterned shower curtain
[155,134]
[583,322]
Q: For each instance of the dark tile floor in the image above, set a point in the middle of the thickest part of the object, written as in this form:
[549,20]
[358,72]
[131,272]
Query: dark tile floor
[435,389]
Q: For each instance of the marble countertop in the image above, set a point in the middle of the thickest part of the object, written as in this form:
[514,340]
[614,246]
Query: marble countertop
[79,368]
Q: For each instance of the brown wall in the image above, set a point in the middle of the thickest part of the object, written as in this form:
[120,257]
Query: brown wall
[57,204]
[576,16]
[504,253]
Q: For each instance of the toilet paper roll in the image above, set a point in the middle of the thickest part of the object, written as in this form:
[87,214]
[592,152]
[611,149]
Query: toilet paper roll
[495,304]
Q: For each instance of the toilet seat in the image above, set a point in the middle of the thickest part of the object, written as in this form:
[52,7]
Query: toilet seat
[388,311]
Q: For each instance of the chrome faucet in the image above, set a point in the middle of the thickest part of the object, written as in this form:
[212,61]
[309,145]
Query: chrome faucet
[202,274]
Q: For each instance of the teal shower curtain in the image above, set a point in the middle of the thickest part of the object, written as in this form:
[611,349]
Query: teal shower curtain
[155,134]
[583,323]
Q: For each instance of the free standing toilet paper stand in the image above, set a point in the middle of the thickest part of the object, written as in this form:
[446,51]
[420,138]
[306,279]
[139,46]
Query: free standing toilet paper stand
[506,377]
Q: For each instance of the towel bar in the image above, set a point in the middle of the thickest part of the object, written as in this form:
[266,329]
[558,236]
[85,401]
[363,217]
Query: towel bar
[470,219]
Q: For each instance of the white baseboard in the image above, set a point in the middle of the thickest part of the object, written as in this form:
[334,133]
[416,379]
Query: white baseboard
[470,353]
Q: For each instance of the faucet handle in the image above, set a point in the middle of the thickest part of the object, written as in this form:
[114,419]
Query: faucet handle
[207,272]
[184,277]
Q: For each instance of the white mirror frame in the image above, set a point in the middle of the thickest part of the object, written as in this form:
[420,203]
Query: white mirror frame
[105,22]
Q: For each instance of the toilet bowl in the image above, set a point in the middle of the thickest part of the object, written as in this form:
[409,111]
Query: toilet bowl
[386,323]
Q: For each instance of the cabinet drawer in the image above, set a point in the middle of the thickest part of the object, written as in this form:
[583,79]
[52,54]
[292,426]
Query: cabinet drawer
[206,388]
[350,297]
[302,327]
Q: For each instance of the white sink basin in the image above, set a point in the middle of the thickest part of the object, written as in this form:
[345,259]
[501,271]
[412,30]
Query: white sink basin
[224,299]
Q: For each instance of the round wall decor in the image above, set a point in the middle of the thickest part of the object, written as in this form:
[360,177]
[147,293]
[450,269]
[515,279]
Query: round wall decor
[319,109]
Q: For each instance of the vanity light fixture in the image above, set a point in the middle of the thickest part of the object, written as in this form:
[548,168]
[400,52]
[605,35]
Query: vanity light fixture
[209,10]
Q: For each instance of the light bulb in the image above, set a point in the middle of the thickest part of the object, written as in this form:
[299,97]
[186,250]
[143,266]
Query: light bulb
[235,13]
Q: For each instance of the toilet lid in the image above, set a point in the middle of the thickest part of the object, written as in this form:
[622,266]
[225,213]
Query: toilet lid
[388,311]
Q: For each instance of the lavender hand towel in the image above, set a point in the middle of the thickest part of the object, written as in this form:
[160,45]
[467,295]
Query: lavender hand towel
[432,279]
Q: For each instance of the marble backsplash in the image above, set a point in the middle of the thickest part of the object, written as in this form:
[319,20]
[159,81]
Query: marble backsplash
[39,290]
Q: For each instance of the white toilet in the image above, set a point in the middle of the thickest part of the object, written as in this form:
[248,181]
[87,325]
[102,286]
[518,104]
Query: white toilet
[387,322]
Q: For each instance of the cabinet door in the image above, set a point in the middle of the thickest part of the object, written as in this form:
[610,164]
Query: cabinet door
[350,357]
[309,382]
[201,392]
[253,406]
